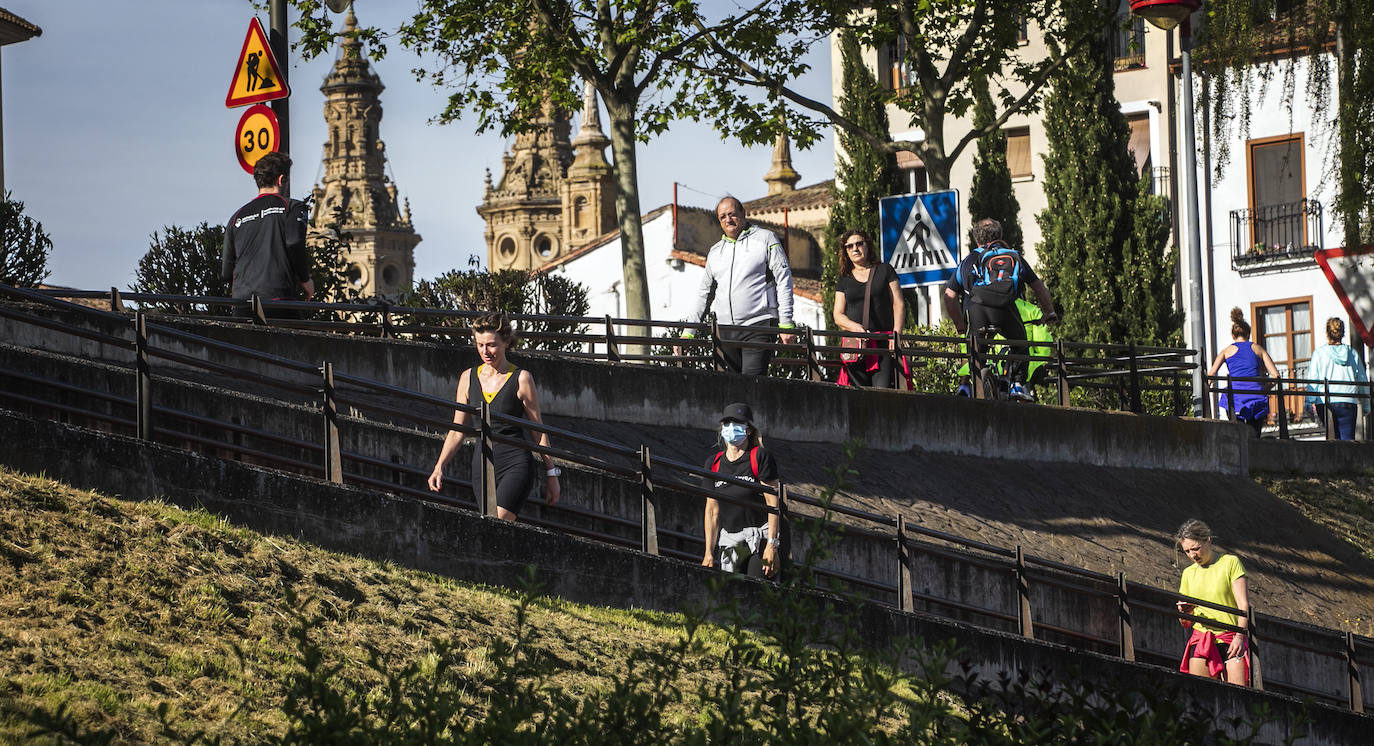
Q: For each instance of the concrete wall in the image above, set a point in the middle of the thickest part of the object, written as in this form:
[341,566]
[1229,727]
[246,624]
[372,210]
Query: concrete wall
[463,545]
[958,586]
[793,410]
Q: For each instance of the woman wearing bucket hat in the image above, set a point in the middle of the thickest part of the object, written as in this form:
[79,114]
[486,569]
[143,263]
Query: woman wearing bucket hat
[740,535]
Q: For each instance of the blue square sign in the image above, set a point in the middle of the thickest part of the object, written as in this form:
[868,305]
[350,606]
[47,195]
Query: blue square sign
[920,236]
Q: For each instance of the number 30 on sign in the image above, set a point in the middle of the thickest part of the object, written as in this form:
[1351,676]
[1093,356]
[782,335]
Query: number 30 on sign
[257,135]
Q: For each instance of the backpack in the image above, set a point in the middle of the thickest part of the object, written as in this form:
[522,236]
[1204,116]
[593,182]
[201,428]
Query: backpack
[753,461]
[996,275]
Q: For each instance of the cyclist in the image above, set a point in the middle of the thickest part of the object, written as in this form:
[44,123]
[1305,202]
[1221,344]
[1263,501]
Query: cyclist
[982,293]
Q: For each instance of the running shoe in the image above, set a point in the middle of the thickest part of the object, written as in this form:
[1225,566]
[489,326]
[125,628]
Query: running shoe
[1019,392]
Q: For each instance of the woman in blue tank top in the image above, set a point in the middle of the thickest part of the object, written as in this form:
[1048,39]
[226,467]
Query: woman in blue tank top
[1244,360]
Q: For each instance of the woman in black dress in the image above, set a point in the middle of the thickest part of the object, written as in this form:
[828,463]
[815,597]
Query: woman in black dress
[510,391]
[860,268]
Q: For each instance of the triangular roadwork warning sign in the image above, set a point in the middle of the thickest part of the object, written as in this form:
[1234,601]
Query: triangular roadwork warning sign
[1348,271]
[256,77]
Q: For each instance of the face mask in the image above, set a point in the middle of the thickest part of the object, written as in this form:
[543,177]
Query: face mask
[734,433]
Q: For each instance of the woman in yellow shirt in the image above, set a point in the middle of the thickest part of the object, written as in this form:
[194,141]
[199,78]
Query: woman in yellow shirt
[1220,579]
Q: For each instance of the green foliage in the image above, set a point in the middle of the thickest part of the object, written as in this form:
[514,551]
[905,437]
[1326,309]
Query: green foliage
[182,262]
[991,195]
[512,291]
[942,47]
[24,246]
[863,174]
[935,374]
[1102,252]
[513,64]
[1247,46]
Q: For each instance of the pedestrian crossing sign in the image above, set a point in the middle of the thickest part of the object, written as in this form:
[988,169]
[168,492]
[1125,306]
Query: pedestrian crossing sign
[257,77]
[919,235]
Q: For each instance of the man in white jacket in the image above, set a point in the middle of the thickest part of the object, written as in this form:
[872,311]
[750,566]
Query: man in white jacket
[748,275]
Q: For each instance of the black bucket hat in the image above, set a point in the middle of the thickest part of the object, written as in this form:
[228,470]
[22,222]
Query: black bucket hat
[738,411]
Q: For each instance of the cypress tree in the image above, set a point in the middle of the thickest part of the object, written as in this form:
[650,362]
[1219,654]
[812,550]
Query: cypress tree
[863,175]
[991,195]
[1103,235]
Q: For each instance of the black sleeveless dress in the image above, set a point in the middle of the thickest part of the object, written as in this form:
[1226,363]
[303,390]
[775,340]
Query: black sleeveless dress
[515,469]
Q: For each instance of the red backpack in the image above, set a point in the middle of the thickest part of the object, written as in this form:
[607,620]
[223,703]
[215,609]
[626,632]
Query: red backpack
[753,461]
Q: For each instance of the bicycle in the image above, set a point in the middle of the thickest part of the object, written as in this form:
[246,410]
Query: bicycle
[993,381]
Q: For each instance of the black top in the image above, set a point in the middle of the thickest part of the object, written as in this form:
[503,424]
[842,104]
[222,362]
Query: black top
[264,248]
[961,280]
[734,517]
[880,302]
[507,402]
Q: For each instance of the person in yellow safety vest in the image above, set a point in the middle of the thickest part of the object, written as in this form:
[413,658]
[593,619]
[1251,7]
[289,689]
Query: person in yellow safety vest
[1038,334]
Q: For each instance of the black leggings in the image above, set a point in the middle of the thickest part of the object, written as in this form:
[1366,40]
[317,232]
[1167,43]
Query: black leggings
[1008,323]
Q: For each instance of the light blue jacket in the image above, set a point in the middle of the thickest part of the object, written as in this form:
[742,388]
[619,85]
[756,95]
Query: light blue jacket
[1340,365]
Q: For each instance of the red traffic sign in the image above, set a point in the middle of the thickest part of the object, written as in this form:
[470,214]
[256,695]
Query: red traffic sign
[257,78]
[1351,282]
[258,134]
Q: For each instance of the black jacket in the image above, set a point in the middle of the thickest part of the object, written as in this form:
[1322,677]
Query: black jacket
[264,248]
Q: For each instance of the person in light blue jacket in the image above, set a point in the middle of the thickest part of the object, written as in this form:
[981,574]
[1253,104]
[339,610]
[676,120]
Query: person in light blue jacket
[1337,362]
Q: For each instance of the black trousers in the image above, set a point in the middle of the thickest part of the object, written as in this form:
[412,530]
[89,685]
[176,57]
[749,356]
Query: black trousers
[1008,323]
[751,362]
[881,378]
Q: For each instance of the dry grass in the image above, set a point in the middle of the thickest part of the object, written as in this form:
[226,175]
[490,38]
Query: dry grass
[109,608]
[1343,504]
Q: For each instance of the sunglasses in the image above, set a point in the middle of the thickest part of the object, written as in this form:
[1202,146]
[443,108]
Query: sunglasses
[857,245]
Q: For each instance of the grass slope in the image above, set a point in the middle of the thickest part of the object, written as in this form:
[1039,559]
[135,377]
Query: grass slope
[109,608]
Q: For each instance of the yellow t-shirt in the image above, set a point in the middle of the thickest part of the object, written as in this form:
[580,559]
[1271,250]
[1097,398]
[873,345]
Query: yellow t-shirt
[1213,583]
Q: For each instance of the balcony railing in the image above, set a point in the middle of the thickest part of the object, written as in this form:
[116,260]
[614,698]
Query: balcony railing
[1276,234]
[1127,44]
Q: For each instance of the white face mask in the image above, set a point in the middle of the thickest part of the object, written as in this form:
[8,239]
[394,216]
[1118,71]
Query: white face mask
[734,433]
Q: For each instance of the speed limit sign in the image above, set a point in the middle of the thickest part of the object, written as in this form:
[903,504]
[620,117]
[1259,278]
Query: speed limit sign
[258,134]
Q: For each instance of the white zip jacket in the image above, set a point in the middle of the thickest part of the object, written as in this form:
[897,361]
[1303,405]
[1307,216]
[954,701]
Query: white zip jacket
[739,271]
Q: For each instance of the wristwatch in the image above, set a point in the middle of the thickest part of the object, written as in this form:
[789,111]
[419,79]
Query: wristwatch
[553,472]
[773,541]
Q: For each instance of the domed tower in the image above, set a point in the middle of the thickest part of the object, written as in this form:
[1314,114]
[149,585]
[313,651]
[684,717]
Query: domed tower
[356,192]
[524,211]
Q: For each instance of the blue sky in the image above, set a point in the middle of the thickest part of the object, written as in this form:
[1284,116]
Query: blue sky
[115,126]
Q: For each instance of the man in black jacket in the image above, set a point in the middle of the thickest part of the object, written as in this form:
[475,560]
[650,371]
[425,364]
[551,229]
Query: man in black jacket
[264,242]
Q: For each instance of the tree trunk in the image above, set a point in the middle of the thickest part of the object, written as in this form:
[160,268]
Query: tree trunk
[932,151]
[622,121]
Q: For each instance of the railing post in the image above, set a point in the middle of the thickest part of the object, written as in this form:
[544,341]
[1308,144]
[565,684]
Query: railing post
[259,313]
[648,523]
[813,366]
[1327,418]
[1135,380]
[1023,611]
[1123,610]
[333,459]
[116,302]
[1178,395]
[1063,369]
[143,378]
[1256,680]
[388,329]
[1283,411]
[612,353]
[1352,667]
[784,554]
[485,480]
[717,354]
[905,600]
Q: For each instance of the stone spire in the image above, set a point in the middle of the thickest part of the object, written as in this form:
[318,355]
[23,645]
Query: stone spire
[356,192]
[523,211]
[782,177]
[589,192]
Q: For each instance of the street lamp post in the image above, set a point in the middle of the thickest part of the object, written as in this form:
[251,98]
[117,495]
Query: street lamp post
[1166,14]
